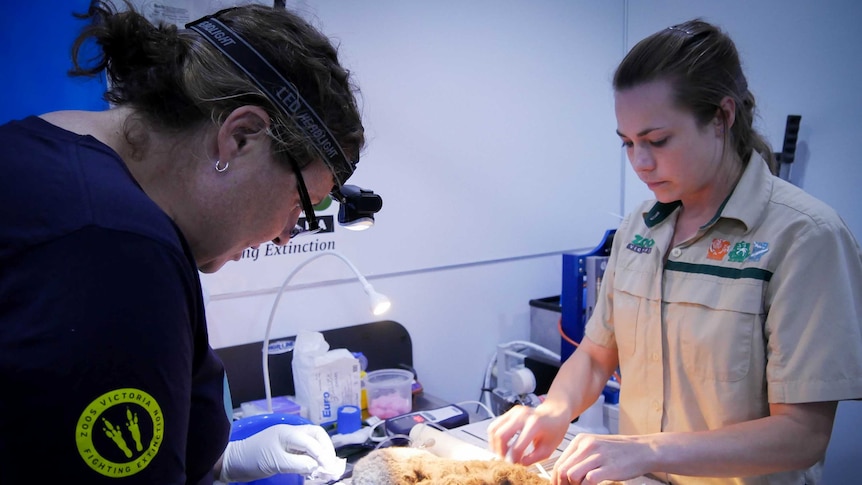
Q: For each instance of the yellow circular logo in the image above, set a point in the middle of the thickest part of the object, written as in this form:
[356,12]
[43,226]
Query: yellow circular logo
[120,432]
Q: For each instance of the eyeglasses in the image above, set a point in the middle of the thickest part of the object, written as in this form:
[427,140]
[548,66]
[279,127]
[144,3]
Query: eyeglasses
[312,225]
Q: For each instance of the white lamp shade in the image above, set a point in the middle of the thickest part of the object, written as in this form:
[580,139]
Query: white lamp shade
[380,304]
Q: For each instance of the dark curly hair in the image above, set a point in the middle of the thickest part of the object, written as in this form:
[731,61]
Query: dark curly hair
[176,80]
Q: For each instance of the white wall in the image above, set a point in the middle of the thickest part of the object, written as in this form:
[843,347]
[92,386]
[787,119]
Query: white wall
[486,169]
[470,110]
[491,140]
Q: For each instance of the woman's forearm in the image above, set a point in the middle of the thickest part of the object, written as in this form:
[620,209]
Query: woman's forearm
[582,377]
[794,437]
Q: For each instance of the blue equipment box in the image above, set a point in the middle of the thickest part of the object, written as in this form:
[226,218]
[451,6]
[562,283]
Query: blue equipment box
[573,297]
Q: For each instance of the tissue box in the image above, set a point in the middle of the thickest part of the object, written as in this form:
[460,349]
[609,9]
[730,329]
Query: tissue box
[330,386]
[324,379]
[280,404]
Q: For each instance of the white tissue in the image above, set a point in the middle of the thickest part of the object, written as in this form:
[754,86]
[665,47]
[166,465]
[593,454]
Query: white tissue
[357,437]
[331,468]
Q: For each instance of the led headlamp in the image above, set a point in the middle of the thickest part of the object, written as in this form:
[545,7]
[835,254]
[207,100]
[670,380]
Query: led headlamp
[357,206]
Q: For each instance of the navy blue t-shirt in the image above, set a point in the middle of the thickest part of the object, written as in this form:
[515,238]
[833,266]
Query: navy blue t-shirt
[106,373]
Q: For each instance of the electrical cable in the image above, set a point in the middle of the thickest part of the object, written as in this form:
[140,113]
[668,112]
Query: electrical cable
[382,443]
[516,345]
[480,404]
[374,427]
[486,388]
[486,381]
[568,339]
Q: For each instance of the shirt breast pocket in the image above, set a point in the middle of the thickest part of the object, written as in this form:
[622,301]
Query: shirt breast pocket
[715,327]
[635,298]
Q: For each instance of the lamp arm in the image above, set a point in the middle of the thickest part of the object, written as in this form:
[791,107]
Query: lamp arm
[265,351]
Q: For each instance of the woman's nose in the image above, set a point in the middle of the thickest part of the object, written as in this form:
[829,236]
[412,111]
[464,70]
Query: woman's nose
[641,159]
[289,228]
[282,238]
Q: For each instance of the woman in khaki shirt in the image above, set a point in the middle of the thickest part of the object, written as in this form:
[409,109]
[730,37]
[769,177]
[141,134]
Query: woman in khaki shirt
[732,361]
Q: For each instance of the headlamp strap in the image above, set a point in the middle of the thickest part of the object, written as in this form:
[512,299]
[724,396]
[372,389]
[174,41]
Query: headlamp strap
[278,89]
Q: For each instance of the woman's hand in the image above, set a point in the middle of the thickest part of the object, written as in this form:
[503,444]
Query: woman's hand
[543,427]
[592,458]
[281,448]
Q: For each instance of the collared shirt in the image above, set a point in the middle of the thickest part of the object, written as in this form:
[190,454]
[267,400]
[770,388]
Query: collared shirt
[760,306]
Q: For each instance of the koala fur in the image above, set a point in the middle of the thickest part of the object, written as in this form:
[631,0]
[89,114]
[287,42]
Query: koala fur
[414,466]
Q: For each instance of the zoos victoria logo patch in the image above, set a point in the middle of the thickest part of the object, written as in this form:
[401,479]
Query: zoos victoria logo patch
[120,432]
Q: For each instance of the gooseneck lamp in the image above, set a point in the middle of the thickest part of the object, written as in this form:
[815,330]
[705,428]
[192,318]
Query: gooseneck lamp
[379,305]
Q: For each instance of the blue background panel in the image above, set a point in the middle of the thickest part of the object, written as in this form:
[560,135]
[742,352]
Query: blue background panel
[37,39]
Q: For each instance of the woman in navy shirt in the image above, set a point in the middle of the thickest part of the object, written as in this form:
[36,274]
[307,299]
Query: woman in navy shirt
[219,136]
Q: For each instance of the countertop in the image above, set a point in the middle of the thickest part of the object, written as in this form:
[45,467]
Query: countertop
[475,433]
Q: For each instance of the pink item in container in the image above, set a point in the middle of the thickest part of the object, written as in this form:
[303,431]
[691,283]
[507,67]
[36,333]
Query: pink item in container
[390,392]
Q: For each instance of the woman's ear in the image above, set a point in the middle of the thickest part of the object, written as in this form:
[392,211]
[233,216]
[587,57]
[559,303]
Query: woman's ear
[725,116]
[241,125]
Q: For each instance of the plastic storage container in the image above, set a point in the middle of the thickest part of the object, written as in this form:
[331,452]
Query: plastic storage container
[390,392]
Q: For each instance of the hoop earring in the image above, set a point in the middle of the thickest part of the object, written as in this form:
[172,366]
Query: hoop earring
[219,168]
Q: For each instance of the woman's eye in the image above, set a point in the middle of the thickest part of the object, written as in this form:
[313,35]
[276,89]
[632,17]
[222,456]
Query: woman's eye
[658,143]
[627,143]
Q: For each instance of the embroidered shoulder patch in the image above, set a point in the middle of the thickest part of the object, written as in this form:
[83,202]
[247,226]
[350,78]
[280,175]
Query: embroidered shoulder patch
[640,244]
[120,432]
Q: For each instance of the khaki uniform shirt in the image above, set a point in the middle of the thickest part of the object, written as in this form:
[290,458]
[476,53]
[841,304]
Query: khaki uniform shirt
[761,306]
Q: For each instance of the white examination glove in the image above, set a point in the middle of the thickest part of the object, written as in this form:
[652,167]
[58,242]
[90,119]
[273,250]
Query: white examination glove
[282,448]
